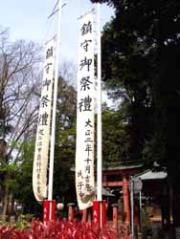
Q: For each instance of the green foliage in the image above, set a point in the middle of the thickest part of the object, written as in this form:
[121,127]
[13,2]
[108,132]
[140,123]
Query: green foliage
[3,221]
[127,72]
[141,53]
[115,138]
[18,69]
[20,174]
[23,221]
[65,143]
[141,64]
[23,191]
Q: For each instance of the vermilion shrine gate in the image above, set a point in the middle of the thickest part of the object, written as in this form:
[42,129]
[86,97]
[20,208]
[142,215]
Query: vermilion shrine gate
[118,177]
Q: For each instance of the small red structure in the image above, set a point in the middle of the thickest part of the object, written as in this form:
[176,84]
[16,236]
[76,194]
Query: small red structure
[118,177]
[84,216]
[99,214]
[115,216]
[49,211]
[71,211]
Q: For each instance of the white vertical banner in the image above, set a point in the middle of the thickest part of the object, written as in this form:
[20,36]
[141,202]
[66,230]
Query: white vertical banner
[40,166]
[85,186]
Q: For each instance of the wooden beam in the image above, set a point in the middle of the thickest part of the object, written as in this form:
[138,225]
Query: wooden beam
[113,184]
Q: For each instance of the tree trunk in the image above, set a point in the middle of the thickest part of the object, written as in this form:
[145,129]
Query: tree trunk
[10,204]
[174,207]
[5,202]
[176,211]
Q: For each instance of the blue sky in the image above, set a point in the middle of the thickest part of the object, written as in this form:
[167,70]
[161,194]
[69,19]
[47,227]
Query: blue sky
[28,20]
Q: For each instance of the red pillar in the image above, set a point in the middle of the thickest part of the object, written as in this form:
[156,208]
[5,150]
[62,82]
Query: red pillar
[99,214]
[49,211]
[126,199]
[115,216]
[70,211]
[84,215]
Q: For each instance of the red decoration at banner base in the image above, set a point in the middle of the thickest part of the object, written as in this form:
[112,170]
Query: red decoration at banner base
[49,211]
[99,214]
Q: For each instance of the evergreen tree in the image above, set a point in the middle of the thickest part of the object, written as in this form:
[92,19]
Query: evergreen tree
[141,55]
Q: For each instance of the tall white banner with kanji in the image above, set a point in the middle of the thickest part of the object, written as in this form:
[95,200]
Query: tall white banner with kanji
[85,186]
[40,166]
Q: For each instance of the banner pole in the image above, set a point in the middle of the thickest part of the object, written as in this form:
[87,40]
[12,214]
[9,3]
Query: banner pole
[53,129]
[99,109]
[99,206]
[132,205]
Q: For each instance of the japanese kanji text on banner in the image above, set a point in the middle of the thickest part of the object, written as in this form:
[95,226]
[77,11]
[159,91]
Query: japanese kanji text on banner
[85,187]
[40,166]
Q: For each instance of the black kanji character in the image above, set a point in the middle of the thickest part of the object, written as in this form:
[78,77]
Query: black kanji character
[41,132]
[44,118]
[49,52]
[85,62]
[79,174]
[88,160]
[46,83]
[85,104]
[44,101]
[48,67]
[85,83]
[39,144]
[87,179]
[88,140]
[88,187]
[88,148]
[80,185]
[88,132]
[88,169]
[86,28]
[85,44]
[88,123]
